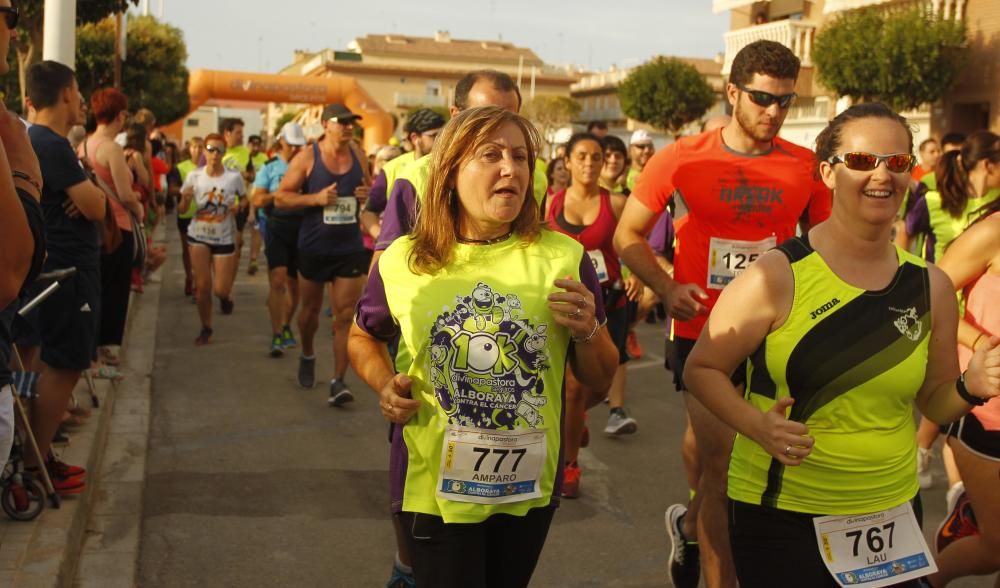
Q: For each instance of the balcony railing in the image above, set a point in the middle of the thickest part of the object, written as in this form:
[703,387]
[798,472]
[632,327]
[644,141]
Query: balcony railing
[951,9]
[401,100]
[797,35]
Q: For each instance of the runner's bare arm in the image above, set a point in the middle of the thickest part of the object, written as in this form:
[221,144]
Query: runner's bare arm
[262,198]
[938,399]
[750,307]
[593,356]
[969,256]
[370,360]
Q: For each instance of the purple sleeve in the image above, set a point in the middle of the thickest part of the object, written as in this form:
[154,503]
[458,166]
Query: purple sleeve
[661,239]
[588,277]
[400,214]
[377,196]
[372,314]
[918,220]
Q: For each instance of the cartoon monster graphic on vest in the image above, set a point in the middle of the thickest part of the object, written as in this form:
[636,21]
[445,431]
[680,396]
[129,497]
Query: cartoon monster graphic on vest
[485,361]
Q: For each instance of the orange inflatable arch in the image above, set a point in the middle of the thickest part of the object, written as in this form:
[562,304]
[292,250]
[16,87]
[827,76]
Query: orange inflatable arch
[235,86]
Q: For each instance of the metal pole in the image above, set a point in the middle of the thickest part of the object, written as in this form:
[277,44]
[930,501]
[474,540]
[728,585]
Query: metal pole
[59,32]
[118,50]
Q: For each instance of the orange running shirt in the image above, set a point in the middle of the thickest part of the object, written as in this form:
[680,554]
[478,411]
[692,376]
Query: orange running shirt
[729,207]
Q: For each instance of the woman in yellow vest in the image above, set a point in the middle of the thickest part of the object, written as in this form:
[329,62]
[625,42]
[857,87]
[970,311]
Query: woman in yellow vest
[492,307]
[843,332]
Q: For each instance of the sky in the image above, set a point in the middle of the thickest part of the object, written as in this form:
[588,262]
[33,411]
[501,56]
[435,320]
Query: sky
[261,35]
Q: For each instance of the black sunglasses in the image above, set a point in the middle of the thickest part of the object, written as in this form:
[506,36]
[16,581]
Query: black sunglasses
[10,14]
[214,149]
[861,161]
[765,99]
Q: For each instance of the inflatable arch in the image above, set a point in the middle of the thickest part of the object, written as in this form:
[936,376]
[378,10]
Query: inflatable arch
[205,85]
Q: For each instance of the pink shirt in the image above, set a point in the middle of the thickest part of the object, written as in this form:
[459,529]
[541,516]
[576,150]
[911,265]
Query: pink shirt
[982,311]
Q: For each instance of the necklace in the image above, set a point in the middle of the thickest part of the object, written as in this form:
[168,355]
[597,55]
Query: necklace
[492,241]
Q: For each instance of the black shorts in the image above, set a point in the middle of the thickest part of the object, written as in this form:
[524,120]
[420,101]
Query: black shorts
[281,244]
[242,217]
[68,321]
[678,351]
[215,249]
[618,330]
[183,224]
[326,268]
[970,432]
[775,548]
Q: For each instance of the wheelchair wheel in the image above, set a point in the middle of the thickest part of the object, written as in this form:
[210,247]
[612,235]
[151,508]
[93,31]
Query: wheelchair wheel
[24,499]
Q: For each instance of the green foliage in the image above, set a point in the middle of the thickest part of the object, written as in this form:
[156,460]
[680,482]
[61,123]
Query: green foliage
[153,76]
[550,112]
[666,93]
[903,58]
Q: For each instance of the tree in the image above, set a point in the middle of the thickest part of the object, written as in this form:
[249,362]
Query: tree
[906,59]
[666,93]
[154,75]
[29,31]
[550,112]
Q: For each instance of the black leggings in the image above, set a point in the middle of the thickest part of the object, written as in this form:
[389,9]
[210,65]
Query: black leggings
[775,548]
[116,284]
[500,552]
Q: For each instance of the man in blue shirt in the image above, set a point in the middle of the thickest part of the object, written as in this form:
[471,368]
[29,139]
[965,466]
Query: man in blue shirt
[280,239]
[71,205]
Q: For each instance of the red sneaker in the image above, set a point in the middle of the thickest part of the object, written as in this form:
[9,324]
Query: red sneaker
[960,522]
[571,480]
[58,469]
[632,347]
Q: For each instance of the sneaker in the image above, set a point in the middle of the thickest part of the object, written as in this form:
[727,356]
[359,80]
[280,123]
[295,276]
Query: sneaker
[64,470]
[571,480]
[924,468]
[400,579]
[619,423]
[287,338]
[685,570]
[204,337]
[63,484]
[632,347]
[277,349]
[252,268]
[340,394]
[960,522]
[226,304]
[307,372]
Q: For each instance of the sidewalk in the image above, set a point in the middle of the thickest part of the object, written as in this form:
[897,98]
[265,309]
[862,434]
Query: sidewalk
[93,538]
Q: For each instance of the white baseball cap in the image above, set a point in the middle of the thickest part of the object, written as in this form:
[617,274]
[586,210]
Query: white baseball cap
[293,134]
[640,137]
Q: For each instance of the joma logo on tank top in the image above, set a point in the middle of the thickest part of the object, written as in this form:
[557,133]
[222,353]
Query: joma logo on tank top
[819,311]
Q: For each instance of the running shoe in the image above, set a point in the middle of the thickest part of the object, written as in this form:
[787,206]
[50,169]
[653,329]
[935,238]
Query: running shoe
[632,347]
[960,522]
[685,567]
[287,338]
[226,304]
[64,484]
[340,394]
[307,371]
[924,468]
[252,268]
[57,468]
[571,480]
[400,579]
[619,423]
[277,349]
[204,337]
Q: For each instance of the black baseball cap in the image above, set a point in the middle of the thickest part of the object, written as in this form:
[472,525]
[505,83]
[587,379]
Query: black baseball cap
[339,113]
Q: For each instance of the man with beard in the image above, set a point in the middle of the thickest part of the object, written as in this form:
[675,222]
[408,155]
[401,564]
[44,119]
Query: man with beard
[735,193]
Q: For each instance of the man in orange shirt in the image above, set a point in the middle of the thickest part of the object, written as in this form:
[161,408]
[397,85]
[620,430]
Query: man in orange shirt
[735,193]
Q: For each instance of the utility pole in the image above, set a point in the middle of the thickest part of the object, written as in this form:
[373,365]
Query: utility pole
[59,32]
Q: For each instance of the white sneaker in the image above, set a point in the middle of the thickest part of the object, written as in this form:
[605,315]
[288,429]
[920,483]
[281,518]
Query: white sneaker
[952,496]
[924,475]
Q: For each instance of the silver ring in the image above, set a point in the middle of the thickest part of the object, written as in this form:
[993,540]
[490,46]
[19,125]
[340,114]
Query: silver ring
[788,450]
[576,314]
[582,302]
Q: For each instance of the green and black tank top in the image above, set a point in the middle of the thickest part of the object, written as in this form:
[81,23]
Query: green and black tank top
[853,360]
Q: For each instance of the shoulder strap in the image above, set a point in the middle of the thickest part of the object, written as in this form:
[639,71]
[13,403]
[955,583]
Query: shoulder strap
[795,249]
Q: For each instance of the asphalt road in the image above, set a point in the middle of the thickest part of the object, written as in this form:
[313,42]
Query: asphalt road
[252,481]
